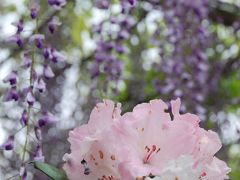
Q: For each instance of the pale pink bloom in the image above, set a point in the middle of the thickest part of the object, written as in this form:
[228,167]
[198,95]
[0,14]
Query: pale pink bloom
[147,141]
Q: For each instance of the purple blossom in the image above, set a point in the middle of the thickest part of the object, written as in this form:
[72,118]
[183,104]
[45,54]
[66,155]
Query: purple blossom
[120,48]
[23,173]
[38,39]
[24,118]
[26,60]
[123,35]
[16,39]
[186,63]
[102,4]
[53,24]
[46,119]
[47,52]
[12,94]
[40,85]
[30,98]
[57,4]
[19,26]
[57,56]
[38,133]
[38,156]
[110,45]
[11,78]
[9,144]
[34,8]
[132,2]
[47,72]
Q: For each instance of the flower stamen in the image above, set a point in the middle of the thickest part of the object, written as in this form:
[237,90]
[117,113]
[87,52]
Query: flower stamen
[150,152]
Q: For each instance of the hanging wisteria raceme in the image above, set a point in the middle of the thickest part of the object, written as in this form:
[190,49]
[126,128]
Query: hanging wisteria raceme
[183,41]
[152,141]
[110,36]
[35,52]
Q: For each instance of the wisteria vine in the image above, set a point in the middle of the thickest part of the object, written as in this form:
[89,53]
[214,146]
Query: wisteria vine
[38,57]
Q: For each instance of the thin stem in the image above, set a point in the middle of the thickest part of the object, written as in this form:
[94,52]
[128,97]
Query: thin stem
[29,106]
[12,177]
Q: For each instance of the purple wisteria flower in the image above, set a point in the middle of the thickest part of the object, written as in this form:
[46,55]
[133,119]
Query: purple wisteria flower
[40,85]
[34,8]
[57,56]
[47,72]
[53,24]
[185,66]
[57,4]
[24,118]
[46,119]
[52,54]
[9,144]
[26,94]
[47,52]
[26,60]
[38,156]
[23,173]
[38,40]
[12,94]
[38,133]
[19,25]
[30,98]
[11,78]
[132,2]
[16,39]
[102,4]
[110,46]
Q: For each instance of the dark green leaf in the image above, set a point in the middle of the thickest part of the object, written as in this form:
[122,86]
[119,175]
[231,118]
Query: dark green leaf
[51,171]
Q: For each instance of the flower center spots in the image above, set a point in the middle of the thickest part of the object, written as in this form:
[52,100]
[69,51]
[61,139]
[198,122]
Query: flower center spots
[106,178]
[150,152]
[113,157]
[101,155]
[86,168]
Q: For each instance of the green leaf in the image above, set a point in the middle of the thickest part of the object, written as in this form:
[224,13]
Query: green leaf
[51,171]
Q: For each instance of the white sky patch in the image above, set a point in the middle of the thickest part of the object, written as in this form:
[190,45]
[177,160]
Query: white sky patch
[153,16]
[150,56]
[229,131]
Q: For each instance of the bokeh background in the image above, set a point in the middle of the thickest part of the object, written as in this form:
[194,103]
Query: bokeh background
[158,49]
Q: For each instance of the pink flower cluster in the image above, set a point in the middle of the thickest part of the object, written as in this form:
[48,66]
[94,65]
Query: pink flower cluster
[151,142]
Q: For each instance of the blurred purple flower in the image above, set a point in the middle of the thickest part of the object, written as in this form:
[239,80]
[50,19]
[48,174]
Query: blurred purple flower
[46,119]
[11,78]
[23,173]
[57,4]
[123,35]
[47,72]
[53,24]
[26,60]
[40,85]
[9,144]
[47,52]
[38,39]
[19,26]
[57,56]
[30,98]
[38,156]
[24,118]
[38,133]
[132,2]
[16,39]
[34,8]
[12,94]
[102,4]
[120,48]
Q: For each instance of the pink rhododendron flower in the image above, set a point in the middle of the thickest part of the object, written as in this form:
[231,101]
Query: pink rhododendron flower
[152,141]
